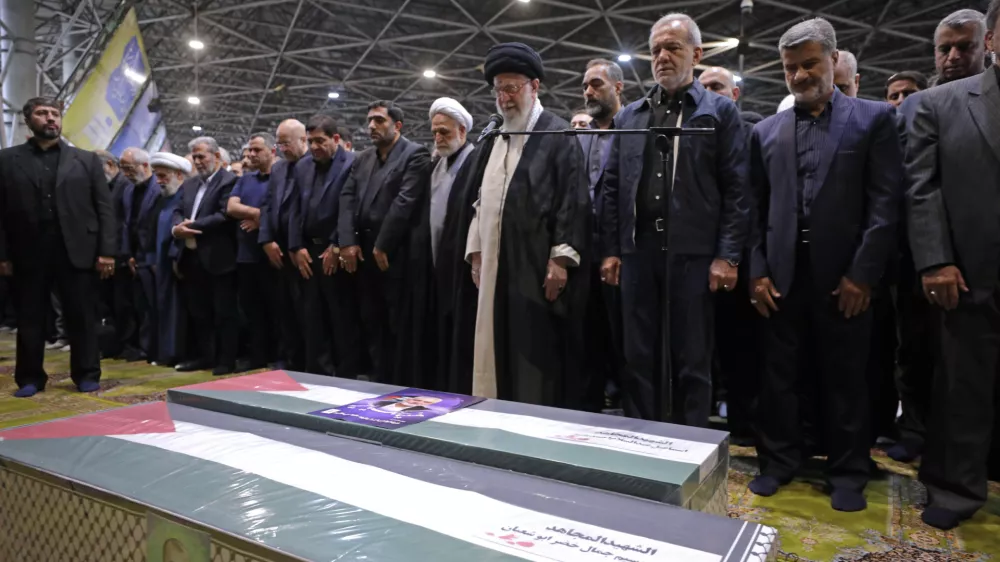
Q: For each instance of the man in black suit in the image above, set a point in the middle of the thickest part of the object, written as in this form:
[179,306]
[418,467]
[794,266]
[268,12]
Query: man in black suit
[330,316]
[827,176]
[206,261]
[57,225]
[952,164]
[139,196]
[118,291]
[275,213]
[603,82]
[385,239]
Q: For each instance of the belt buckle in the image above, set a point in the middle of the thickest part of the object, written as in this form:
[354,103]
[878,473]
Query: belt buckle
[658,223]
[804,235]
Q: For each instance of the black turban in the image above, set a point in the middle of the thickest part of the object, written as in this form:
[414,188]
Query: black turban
[513,57]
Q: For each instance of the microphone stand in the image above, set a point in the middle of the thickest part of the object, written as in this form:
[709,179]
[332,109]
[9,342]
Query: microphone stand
[663,386]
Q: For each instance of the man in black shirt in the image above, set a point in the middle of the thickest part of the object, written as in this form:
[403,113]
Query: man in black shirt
[57,226]
[330,315]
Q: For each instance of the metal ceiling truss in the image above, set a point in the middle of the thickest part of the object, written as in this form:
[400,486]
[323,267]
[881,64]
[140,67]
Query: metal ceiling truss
[268,60]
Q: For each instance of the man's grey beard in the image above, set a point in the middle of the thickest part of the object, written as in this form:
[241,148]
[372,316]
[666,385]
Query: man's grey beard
[109,177]
[514,120]
[171,187]
[452,147]
[598,109]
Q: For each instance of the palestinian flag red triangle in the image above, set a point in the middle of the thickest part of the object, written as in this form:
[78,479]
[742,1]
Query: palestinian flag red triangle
[271,381]
[146,418]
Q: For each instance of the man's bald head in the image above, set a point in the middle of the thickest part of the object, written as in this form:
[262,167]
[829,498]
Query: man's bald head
[292,139]
[721,81]
[845,74]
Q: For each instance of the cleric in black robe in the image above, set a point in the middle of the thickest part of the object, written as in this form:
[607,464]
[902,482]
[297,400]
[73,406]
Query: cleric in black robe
[449,229]
[528,245]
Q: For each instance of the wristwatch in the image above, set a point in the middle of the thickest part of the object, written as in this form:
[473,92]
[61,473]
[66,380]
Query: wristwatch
[733,263]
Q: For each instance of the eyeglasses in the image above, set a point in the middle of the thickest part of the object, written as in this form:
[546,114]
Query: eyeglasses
[509,89]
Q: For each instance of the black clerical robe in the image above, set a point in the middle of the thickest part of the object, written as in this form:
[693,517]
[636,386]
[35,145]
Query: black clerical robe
[537,344]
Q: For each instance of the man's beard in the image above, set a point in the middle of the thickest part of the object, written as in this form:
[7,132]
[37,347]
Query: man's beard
[44,133]
[514,119]
[598,109]
[171,188]
[451,148]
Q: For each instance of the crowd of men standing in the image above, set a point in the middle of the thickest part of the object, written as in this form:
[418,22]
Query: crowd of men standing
[776,258]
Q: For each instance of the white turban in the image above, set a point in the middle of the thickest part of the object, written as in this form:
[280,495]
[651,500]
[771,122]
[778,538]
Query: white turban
[452,109]
[172,161]
[786,103]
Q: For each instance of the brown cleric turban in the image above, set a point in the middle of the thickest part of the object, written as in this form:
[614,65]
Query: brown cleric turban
[517,58]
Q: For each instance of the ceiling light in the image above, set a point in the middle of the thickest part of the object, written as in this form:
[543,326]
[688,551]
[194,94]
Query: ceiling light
[430,73]
[624,57]
[196,44]
[193,100]
[734,42]
[333,95]
[737,78]
[196,128]
[524,1]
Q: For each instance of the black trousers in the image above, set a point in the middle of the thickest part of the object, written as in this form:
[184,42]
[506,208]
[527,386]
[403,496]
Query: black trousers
[258,299]
[883,398]
[603,337]
[123,307]
[960,427]
[289,315]
[915,377]
[79,293]
[838,370]
[331,321]
[379,303]
[737,339]
[692,314]
[211,305]
[144,297]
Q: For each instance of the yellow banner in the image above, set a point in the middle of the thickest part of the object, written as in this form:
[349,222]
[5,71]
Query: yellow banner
[104,101]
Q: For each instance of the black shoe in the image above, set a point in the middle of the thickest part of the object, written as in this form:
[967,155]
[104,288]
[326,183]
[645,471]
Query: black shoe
[245,365]
[940,518]
[843,499]
[223,370]
[904,451]
[196,365]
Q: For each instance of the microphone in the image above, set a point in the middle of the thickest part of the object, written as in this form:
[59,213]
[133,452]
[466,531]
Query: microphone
[496,121]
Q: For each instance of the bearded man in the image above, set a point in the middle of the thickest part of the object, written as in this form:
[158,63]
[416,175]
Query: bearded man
[450,206]
[57,225]
[155,252]
[528,244]
[384,239]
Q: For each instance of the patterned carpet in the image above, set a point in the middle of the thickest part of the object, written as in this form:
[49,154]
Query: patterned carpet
[809,530]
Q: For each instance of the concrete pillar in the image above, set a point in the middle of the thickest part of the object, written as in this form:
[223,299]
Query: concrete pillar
[20,82]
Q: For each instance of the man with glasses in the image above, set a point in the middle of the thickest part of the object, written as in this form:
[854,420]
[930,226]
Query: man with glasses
[528,244]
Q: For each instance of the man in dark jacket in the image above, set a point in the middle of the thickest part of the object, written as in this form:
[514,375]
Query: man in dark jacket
[698,208]
[206,261]
[385,240]
[57,226]
[736,365]
[117,293]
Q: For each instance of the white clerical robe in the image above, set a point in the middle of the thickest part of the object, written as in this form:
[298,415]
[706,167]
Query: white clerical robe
[484,237]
